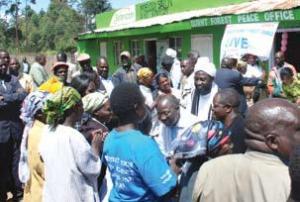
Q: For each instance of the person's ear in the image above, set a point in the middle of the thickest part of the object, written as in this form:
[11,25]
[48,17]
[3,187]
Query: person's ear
[228,109]
[272,141]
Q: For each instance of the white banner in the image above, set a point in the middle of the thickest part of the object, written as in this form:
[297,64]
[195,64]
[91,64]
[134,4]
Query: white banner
[123,16]
[254,38]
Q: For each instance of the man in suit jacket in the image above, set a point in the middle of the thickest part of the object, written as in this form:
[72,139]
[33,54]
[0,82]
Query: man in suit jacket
[227,77]
[11,97]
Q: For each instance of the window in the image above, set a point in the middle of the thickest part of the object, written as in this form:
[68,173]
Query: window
[135,47]
[176,44]
[117,51]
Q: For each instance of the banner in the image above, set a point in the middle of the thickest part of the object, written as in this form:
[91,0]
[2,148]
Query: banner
[254,38]
[123,16]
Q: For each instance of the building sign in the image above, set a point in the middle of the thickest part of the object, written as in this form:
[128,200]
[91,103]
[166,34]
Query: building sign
[123,16]
[155,8]
[253,38]
[272,16]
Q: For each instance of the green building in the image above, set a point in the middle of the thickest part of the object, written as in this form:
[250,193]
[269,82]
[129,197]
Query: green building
[151,27]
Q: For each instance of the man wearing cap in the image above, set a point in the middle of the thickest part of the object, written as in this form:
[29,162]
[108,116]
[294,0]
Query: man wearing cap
[199,101]
[84,61]
[62,57]
[127,72]
[60,70]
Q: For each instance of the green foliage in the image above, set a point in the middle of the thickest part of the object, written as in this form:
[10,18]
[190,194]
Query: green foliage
[53,30]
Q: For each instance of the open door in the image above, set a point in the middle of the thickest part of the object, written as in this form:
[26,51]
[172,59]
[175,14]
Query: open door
[150,46]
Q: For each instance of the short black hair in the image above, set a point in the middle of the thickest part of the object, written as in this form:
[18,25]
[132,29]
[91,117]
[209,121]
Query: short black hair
[123,101]
[286,72]
[61,57]
[39,57]
[81,83]
[230,97]
[102,58]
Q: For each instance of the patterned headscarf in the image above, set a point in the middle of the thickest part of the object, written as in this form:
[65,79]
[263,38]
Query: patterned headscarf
[59,103]
[32,103]
[94,101]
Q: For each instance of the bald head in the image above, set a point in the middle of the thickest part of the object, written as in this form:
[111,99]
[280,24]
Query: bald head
[168,109]
[167,100]
[273,126]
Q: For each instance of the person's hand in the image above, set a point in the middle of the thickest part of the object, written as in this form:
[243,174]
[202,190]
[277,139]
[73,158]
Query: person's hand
[1,98]
[174,166]
[298,101]
[97,141]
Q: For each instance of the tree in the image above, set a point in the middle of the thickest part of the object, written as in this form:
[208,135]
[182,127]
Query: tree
[89,9]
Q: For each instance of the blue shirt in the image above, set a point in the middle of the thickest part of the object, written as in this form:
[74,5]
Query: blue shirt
[138,169]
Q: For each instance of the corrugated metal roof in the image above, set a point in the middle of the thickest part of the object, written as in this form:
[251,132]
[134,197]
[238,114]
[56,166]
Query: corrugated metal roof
[248,7]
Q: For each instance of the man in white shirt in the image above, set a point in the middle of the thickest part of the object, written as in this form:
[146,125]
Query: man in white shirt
[103,70]
[173,122]
[253,69]
[199,101]
[175,73]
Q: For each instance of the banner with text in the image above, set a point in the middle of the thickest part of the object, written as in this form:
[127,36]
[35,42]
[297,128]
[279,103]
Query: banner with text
[254,38]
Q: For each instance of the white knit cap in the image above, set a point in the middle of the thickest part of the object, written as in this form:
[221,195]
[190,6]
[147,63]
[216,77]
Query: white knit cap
[207,67]
[171,52]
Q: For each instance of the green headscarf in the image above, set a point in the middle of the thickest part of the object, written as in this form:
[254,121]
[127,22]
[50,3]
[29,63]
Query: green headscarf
[59,103]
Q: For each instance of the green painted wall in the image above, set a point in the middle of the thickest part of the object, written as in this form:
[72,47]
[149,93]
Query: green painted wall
[90,43]
[154,8]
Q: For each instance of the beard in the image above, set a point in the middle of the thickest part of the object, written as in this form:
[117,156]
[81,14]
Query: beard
[204,90]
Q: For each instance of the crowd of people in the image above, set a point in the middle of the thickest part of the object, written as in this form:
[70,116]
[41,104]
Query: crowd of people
[187,131]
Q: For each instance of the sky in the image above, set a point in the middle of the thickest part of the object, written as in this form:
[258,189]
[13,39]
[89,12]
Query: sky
[43,4]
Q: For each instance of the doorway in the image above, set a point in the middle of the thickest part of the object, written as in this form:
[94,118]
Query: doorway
[150,47]
[293,43]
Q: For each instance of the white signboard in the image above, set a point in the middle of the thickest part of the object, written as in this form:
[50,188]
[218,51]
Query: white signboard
[254,38]
[123,16]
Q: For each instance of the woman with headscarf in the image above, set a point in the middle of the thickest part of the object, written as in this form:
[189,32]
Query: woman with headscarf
[72,165]
[97,113]
[31,168]
[145,78]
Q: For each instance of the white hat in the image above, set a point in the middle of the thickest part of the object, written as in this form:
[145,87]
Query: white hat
[83,57]
[208,68]
[171,52]
[202,60]
[126,54]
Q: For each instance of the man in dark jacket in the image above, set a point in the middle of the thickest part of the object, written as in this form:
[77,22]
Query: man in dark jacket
[11,97]
[227,77]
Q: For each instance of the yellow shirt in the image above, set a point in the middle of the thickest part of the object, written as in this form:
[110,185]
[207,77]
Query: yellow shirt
[34,187]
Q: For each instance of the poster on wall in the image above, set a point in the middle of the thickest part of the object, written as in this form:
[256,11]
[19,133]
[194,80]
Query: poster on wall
[252,38]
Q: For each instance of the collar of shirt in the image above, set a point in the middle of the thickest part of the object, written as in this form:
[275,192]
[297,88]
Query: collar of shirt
[265,157]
